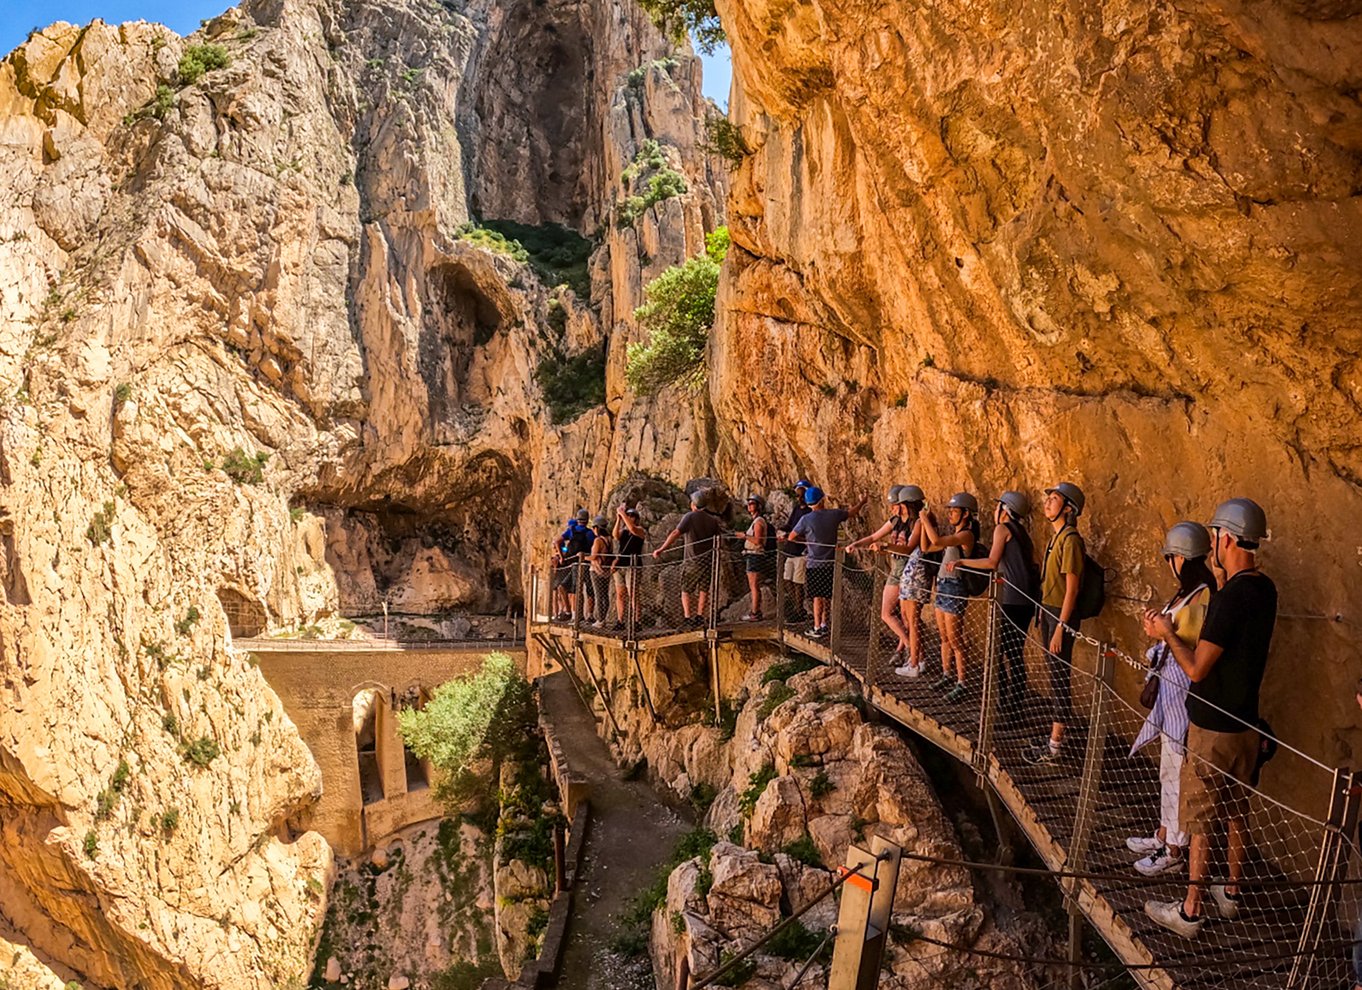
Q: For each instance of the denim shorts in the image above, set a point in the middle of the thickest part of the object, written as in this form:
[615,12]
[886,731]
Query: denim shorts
[950,595]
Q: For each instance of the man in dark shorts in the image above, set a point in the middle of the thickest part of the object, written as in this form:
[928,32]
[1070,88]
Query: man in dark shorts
[794,572]
[818,531]
[565,555]
[1226,670]
[699,527]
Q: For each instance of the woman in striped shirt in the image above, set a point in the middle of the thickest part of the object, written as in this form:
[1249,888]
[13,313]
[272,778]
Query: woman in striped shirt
[1184,548]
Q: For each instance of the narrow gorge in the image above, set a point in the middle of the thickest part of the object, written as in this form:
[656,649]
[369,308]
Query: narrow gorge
[316,324]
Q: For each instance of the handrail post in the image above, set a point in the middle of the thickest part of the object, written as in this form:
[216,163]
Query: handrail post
[780,592]
[835,620]
[580,584]
[1332,867]
[872,644]
[1088,786]
[632,576]
[988,697]
[712,619]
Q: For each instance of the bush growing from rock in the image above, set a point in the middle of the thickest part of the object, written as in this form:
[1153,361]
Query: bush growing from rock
[572,385]
[202,751]
[677,317]
[198,59]
[243,468]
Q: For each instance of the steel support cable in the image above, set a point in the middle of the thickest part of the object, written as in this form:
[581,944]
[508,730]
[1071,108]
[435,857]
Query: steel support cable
[724,968]
[913,935]
[812,956]
[1125,879]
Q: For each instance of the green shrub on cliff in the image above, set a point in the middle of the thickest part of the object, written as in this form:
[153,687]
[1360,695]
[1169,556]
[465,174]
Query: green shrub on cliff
[677,317]
[572,384]
[648,179]
[198,59]
[677,18]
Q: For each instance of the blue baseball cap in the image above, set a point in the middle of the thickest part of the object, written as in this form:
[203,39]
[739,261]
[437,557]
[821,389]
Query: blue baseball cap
[813,496]
[803,483]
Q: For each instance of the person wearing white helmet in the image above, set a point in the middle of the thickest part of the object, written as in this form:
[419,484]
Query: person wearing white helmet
[1226,668]
[1012,555]
[956,543]
[1185,548]
[1061,575]
[701,529]
[897,529]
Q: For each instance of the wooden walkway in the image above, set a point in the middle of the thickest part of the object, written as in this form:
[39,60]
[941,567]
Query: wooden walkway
[1074,815]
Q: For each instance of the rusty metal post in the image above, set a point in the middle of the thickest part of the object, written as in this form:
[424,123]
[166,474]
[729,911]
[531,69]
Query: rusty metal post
[835,640]
[780,592]
[872,646]
[1332,867]
[988,698]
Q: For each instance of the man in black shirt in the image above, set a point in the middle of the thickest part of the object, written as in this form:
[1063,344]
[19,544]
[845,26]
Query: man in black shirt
[701,528]
[1226,670]
[795,569]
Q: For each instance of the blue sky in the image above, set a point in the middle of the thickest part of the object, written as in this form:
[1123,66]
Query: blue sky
[183,16]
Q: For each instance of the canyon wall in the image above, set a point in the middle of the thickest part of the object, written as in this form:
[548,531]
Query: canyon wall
[256,369]
[995,245]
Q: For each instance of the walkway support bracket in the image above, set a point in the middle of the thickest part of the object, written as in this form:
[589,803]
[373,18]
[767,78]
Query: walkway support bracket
[863,916]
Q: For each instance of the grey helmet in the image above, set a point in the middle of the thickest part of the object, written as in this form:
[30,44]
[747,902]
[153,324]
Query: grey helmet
[1016,503]
[892,496]
[1072,494]
[754,497]
[964,500]
[1187,539]
[1244,518]
[910,493]
[583,516]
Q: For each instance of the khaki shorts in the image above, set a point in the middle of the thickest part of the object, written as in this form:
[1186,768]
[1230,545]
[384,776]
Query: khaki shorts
[1215,773]
[623,577]
[796,568]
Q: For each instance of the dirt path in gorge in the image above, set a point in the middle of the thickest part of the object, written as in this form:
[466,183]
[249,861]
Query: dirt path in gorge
[632,831]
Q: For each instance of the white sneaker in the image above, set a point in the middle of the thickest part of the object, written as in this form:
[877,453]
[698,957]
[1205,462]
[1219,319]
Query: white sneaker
[1168,914]
[1159,862]
[1144,846]
[908,670]
[1227,906]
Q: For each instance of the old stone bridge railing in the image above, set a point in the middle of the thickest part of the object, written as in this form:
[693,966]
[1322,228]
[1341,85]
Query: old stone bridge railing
[1298,906]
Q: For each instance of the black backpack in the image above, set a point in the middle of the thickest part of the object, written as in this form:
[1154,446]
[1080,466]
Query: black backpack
[976,582]
[770,536]
[581,541]
[1092,587]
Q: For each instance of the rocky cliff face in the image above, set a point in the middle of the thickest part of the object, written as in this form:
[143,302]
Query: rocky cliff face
[253,373]
[993,245]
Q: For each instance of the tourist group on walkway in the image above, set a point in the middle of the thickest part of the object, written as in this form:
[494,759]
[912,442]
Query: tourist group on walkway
[1206,661]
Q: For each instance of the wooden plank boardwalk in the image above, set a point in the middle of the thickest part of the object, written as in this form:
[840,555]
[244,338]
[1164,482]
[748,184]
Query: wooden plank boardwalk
[1074,816]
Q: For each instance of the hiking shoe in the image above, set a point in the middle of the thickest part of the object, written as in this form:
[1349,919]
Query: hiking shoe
[1168,914]
[1144,845]
[1226,904]
[908,670]
[563,617]
[942,682]
[816,632]
[1156,863]
[1041,753]
[956,693]
[898,656]
[752,617]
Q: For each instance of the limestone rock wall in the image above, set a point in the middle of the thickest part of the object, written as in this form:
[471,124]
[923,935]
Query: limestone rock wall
[992,245]
[248,365]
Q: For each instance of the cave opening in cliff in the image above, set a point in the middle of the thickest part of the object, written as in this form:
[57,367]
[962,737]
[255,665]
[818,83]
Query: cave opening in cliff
[460,317]
[245,618]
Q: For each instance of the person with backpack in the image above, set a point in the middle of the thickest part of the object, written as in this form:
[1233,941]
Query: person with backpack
[1224,745]
[898,527]
[602,560]
[795,572]
[1013,557]
[952,594]
[918,577]
[574,545]
[629,535]
[759,544]
[1185,548]
[1061,575]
